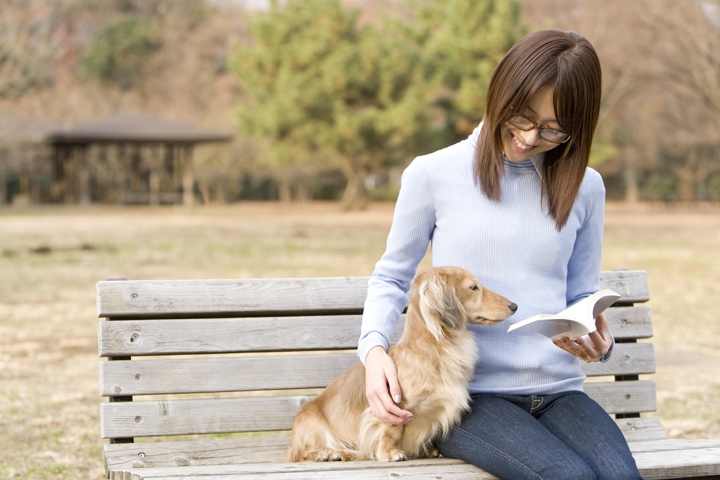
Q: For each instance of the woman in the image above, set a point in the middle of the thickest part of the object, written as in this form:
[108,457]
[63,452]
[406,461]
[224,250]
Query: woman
[515,204]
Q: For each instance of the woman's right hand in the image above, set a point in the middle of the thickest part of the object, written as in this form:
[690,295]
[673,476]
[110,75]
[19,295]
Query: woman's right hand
[380,383]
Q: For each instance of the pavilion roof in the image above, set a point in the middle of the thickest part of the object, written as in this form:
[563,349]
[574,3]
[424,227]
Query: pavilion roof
[136,128]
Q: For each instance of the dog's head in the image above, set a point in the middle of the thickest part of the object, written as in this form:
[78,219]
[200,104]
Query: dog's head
[451,297]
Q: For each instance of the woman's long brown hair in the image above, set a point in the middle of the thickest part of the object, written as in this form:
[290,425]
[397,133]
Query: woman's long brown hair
[569,63]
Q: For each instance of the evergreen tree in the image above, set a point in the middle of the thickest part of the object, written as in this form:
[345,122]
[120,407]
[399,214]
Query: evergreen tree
[324,88]
[118,51]
[461,43]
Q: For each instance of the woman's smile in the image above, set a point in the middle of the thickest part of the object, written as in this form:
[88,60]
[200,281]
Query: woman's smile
[519,146]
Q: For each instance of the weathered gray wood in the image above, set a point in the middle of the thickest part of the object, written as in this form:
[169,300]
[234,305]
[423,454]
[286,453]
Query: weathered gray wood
[412,469]
[663,459]
[627,359]
[277,372]
[273,449]
[187,417]
[228,374]
[241,297]
[197,452]
[641,429]
[339,300]
[630,322]
[226,415]
[632,285]
[683,462]
[211,335]
[623,397]
[671,444]
[268,297]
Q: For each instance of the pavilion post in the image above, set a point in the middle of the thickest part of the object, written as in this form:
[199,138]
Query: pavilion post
[83,175]
[188,181]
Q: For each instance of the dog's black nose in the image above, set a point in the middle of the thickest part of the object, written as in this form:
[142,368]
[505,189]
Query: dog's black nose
[513,307]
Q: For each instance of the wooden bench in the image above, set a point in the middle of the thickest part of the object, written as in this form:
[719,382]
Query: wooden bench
[211,358]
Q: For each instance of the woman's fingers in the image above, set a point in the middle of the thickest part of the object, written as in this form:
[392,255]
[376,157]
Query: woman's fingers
[592,348]
[580,347]
[383,389]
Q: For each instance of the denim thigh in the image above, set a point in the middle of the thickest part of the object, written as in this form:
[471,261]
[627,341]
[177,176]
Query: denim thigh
[560,436]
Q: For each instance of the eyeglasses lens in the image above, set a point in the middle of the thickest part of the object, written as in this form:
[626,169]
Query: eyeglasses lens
[549,134]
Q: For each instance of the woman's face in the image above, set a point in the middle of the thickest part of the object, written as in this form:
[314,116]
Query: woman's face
[519,145]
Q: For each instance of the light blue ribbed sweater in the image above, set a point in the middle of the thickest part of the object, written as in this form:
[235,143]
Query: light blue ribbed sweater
[512,246]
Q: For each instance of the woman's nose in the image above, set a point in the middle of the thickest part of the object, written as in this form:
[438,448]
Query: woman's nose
[530,137]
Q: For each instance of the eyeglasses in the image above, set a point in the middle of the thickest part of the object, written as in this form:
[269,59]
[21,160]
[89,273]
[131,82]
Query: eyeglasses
[550,134]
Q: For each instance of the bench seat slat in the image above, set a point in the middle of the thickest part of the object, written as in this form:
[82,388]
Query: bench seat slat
[274,449]
[226,415]
[451,469]
[683,462]
[272,296]
[656,460]
[276,372]
[212,335]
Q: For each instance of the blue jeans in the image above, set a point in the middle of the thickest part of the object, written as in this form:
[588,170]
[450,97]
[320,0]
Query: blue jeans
[561,436]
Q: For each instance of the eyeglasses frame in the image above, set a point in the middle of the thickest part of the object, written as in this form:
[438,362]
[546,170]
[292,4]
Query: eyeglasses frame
[540,129]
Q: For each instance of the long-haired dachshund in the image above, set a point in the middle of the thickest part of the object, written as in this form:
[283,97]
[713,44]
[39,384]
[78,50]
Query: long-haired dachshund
[435,359]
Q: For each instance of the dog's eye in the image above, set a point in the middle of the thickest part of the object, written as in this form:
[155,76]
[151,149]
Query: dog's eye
[474,287]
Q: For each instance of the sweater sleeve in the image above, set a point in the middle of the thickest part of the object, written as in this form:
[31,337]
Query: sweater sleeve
[585,262]
[583,274]
[407,243]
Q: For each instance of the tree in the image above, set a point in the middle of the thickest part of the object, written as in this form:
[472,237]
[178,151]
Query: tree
[26,53]
[324,89]
[363,97]
[461,43]
[118,51]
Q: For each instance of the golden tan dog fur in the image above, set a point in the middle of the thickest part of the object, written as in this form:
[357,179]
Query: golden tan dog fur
[435,359]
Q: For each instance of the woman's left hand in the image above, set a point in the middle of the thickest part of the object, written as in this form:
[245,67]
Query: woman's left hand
[591,348]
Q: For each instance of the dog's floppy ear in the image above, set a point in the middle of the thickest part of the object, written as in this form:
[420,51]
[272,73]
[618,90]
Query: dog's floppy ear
[439,305]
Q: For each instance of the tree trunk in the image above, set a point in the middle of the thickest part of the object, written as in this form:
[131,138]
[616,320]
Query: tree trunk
[631,180]
[355,196]
[284,191]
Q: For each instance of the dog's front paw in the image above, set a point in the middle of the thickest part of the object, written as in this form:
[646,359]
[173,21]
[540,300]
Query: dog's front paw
[432,452]
[391,455]
[326,456]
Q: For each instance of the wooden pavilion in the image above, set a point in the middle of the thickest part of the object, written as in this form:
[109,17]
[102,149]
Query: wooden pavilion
[24,171]
[128,158]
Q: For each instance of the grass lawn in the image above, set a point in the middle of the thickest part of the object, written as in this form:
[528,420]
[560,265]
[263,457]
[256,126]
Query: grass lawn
[50,259]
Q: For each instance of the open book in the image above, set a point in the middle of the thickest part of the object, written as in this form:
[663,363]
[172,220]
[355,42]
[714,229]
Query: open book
[574,321]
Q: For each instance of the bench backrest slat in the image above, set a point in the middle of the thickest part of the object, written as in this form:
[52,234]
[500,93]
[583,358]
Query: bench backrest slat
[230,374]
[211,335]
[225,415]
[277,372]
[268,334]
[268,297]
[632,285]
[242,297]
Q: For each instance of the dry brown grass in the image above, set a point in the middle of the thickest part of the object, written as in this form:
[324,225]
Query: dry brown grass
[50,259]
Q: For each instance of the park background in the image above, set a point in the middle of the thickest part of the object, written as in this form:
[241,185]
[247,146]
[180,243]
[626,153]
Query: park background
[327,102]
